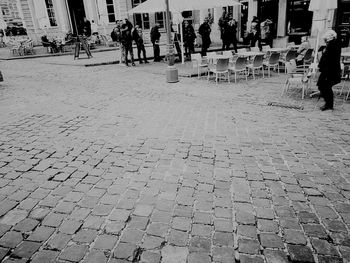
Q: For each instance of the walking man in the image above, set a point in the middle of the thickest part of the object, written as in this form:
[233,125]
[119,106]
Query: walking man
[137,35]
[126,40]
[155,36]
[205,30]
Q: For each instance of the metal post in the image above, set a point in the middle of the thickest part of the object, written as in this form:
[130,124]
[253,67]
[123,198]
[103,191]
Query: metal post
[171,71]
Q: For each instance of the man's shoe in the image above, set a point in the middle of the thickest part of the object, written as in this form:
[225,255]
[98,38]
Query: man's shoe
[325,107]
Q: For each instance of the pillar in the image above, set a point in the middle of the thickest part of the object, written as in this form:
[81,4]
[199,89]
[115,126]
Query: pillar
[282,18]
[62,15]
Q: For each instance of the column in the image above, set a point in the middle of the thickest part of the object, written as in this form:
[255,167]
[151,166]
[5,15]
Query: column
[282,21]
[89,10]
[62,15]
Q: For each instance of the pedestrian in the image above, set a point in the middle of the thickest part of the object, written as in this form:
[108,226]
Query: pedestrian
[230,34]
[205,30]
[155,36]
[267,28]
[126,40]
[330,69]
[222,25]
[177,41]
[137,35]
[304,46]
[189,37]
[255,33]
[86,28]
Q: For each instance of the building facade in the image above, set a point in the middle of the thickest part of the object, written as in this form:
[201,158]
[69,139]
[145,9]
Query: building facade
[291,18]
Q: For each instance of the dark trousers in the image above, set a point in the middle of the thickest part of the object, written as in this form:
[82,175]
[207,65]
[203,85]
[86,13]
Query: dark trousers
[156,52]
[253,41]
[204,50]
[326,93]
[141,48]
[129,49]
[229,42]
[178,49]
[189,49]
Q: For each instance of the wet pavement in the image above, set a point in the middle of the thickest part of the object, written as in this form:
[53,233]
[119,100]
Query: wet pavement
[113,164]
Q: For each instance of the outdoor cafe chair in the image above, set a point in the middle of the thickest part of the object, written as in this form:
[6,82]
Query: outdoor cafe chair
[256,64]
[228,53]
[239,67]
[211,57]
[254,49]
[307,59]
[266,48]
[298,78]
[291,54]
[220,69]
[273,62]
[200,63]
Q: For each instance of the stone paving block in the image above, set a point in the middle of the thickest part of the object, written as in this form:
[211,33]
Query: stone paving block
[172,254]
[133,236]
[322,247]
[26,249]
[245,218]
[70,226]
[177,238]
[119,215]
[114,228]
[152,242]
[247,231]
[274,256]
[158,229]
[125,251]
[181,223]
[315,230]
[267,226]
[300,253]
[94,222]
[138,222]
[45,256]
[105,242]
[149,257]
[6,205]
[58,241]
[294,237]
[96,256]
[269,240]
[198,258]
[11,239]
[74,253]
[26,225]
[223,239]
[248,246]
[85,236]
[223,254]
[200,244]
[41,233]
[39,213]
[102,210]
[161,216]
[53,219]
[202,230]
[223,225]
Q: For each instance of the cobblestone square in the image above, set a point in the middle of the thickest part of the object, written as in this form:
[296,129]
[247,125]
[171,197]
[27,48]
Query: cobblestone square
[112,164]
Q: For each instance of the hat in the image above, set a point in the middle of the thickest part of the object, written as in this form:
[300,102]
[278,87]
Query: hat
[329,35]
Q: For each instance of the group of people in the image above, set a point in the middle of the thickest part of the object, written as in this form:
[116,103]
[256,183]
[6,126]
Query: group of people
[260,32]
[124,33]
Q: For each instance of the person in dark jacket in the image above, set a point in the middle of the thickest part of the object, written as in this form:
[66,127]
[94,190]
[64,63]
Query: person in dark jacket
[330,69]
[222,24]
[255,33]
[155,36]
[189,37]
[137,36]
[230,34]
[205,30]
[126,40]
[86,28]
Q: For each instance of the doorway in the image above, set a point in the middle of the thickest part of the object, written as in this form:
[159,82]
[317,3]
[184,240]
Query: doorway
[77,14]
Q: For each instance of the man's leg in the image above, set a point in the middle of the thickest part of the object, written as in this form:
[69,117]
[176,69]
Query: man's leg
[235,44]
[126,55]
[327,93]
[131,50]
[144,53]
[139,53]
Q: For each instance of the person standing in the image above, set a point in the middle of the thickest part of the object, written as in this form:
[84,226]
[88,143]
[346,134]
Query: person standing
[230,34]
[155,36]
[267,28]
[205,30]
[255,33]
[126,39]
[189,37]
[222,25]
[86,28]
[330,69]
[137,35]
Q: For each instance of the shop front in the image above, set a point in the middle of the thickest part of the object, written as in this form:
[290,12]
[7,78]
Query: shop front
[343,21]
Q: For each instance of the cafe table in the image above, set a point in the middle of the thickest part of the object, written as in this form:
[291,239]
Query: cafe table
[249,54]
[278,49]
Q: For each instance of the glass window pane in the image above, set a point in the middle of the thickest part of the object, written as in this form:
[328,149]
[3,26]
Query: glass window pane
[109,2]
[111,18]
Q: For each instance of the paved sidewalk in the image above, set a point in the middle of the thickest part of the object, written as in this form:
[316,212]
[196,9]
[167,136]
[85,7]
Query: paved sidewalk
[113,164]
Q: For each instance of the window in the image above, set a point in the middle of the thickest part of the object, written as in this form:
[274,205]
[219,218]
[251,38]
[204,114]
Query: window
[50,12]
[142,20]
[110,11]
[160,18]
[299,17]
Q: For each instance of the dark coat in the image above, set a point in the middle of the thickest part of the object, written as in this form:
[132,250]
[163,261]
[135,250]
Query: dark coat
[205,30]
[329,65]
[126,37]
[137,38]
[155,35]
[189,35]
[230,31]
[116,35]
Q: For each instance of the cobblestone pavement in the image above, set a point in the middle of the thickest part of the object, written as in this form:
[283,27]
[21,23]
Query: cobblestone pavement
[112,164]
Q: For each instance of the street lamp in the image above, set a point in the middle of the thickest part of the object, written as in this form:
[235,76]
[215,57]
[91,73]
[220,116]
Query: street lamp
[172,75]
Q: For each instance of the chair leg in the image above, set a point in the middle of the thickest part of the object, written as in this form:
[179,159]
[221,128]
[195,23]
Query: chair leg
[246,75]
[235,77]
[228,76]
[198,72]
[263,72]
[208,76]
[253,70]
[216,77]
